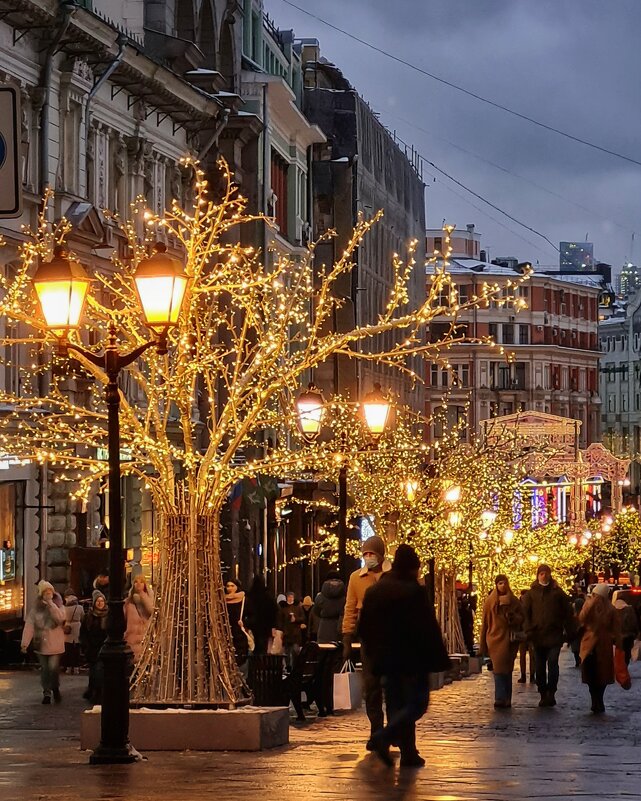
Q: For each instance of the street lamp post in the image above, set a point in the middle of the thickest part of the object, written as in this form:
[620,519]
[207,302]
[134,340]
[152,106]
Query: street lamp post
[376,409]
[61,286]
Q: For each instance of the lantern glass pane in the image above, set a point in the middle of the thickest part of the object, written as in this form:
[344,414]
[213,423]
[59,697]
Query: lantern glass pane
[62,301]
[310,414]
[376,416]
[161,298]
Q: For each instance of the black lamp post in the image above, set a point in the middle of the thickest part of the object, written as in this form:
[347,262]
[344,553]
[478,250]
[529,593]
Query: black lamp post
[376,408]
[61,286]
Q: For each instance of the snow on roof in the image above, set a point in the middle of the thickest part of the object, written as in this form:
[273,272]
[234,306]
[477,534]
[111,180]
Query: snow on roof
[460,266]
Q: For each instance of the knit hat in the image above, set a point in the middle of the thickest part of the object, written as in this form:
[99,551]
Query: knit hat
[405,559]
[43,586]
[96,594]
[333,574]
[307,601]
[375,545]
[281,599]
[543,568]
[602,589]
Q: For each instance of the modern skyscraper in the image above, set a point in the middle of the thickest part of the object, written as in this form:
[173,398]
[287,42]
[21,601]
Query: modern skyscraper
[577,256]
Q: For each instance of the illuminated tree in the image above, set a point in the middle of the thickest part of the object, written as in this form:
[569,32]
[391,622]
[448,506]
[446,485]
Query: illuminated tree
[620,548]
[247,338]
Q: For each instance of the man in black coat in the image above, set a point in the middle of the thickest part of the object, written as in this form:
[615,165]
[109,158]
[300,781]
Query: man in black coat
[404,644]
[549,620]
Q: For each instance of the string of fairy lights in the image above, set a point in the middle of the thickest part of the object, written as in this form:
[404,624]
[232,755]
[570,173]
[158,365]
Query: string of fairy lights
[244,344]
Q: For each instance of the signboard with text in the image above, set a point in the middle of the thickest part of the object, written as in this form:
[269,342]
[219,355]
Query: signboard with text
[10,161]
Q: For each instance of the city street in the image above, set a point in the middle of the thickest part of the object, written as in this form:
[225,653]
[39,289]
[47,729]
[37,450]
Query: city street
[472,752]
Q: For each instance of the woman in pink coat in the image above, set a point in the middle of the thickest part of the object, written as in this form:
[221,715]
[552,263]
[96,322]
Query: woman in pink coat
[44,628]
[139,606]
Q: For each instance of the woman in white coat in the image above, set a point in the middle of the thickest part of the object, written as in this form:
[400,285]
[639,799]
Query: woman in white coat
[44,628]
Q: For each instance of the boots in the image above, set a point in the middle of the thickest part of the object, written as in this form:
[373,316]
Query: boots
[547,698]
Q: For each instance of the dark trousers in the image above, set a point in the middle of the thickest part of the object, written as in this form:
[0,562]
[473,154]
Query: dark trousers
[526,648]
[328,665]
[373,693]
[628,643]
[502,687]
[406,698]
[547,668]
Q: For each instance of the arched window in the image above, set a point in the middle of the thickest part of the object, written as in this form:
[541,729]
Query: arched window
[185,20]
[207,34]
[226,55]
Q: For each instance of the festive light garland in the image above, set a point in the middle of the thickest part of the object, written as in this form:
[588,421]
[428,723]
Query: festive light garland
[244,344]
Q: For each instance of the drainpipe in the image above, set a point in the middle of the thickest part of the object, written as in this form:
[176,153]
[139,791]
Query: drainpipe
[68,9]
[121,41]
[266,168]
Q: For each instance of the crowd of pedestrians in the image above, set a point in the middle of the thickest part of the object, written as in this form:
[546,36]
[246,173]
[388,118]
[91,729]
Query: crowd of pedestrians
[383,618]
[66,634]
[600,632]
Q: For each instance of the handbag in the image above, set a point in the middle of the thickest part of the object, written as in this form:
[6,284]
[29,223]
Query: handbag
[251,641]
[348,687]
[621,672]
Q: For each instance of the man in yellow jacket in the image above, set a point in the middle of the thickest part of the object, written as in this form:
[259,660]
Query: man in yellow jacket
[359,582]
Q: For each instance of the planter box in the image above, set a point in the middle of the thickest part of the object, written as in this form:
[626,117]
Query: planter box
[249,728]
[475,664]
[437,680]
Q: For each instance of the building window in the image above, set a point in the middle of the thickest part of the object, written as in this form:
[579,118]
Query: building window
[524,334]
[279,187]
[508,334]
[438,243]
[463,294]
[494,331]
[434,381]
[612,403]
[624,402]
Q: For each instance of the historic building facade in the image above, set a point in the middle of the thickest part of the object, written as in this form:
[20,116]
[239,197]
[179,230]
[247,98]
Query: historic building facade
[553,348]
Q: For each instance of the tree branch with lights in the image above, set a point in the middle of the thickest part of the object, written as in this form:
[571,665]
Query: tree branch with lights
[245,339]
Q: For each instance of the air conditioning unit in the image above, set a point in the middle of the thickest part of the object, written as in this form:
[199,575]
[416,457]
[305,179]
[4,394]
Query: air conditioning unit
[539,328]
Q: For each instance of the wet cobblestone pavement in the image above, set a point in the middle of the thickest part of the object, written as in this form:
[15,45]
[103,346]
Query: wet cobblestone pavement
[472,752]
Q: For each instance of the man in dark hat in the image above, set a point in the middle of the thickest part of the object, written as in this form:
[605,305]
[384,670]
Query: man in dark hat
[359,582]
[404,644]
[549,621]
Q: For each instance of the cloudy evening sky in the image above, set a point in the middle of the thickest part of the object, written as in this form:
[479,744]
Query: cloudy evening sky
[571,64]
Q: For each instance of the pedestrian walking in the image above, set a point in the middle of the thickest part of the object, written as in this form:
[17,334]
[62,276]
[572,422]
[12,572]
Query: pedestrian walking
[575,645]
[138,608]
[235,603]
[44,630]
[308,628]
[360,581]
[291,621]
[328,611]
[73,618]
[526,651]
[261,613]
[628,624]
[601,632]
[501,629]
[403,642]
[549,621]
[93,633]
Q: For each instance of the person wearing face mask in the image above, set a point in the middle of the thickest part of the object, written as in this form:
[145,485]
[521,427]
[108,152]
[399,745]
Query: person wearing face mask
[360,581]
[549,620]
[502,615]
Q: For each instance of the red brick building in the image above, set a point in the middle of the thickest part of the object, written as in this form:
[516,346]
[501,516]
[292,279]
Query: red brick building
[554,347]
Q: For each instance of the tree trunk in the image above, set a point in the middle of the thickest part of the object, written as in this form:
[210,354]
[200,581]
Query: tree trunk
[448,615]
[188,656]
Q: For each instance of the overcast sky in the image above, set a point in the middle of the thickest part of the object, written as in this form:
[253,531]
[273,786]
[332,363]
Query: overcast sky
[572,64]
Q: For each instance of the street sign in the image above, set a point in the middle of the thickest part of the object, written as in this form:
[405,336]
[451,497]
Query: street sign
[10,161]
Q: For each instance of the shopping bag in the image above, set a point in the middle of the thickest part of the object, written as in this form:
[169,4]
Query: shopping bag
[621,672]
[636,651]
[348,688]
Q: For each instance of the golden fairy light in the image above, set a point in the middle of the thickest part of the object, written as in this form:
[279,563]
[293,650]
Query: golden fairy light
[243,345]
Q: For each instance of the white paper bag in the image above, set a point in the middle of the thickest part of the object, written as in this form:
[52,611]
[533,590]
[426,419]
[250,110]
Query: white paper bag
[636,651]
[348,688]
